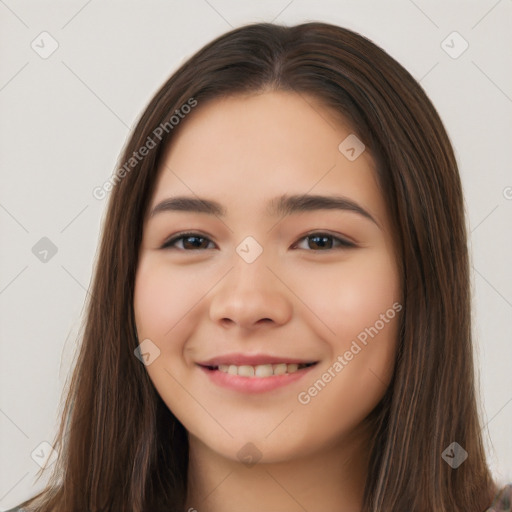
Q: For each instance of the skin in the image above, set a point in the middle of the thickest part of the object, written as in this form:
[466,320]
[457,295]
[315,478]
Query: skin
[296,299]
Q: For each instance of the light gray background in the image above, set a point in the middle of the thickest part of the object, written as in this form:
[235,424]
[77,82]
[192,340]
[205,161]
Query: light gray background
[65,118]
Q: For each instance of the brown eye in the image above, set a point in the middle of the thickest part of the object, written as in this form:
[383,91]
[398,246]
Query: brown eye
[325,241]
[191,241]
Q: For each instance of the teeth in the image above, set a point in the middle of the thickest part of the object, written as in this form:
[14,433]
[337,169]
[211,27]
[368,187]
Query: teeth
[263,370]
[246,371]
[260,371]
[280,369]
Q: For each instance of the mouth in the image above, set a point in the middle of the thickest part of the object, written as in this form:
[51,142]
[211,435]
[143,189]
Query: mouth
[259,371]
[255,373]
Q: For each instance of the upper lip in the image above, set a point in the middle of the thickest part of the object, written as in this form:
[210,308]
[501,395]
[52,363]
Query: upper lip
[252,360]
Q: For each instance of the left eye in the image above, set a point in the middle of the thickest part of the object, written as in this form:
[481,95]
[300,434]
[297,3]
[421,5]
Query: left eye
[194,241]
[320,240]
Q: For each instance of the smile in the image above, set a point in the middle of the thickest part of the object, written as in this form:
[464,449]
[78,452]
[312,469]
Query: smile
[261,370]
[259,378]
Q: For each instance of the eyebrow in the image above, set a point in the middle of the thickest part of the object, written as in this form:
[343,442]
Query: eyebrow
[280,206]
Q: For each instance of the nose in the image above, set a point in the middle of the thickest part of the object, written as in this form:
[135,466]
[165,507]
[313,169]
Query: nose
[251,296]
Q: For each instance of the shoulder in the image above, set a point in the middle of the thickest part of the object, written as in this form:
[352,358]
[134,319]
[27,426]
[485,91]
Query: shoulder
[502,501]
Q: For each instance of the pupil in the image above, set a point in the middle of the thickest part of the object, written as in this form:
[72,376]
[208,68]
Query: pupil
[318,237]
[185,240]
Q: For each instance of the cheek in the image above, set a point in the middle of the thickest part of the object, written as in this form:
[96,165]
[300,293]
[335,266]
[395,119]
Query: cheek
[351,297]
[362,355]
[360,304]
[163,307]
[162,299]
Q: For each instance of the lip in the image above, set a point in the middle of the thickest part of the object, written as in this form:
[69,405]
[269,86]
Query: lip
[252,385]
[252,360]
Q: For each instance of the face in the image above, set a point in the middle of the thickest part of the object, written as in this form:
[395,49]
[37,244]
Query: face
[254,288]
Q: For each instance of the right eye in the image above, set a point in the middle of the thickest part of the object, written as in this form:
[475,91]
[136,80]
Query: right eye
[191,241]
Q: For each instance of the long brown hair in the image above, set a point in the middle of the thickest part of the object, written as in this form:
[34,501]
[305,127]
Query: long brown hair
[121,449]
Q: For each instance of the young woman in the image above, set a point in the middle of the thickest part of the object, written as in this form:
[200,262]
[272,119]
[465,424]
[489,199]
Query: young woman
[280,316]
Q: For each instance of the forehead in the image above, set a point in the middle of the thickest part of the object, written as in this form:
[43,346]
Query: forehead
[246,149]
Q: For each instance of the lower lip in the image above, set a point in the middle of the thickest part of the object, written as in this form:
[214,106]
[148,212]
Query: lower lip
[254,384]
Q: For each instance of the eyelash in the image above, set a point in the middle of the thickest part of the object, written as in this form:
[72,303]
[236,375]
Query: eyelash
[343,244]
